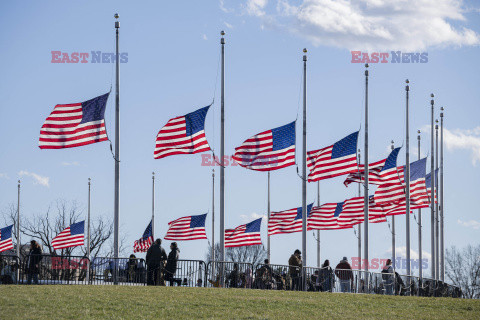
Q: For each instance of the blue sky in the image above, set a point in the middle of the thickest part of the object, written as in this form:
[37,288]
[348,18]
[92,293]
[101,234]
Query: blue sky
[173,53]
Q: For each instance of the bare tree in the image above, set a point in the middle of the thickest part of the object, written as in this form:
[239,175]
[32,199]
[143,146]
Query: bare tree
[100,232]
[208,254]
[250,254]
[463,269]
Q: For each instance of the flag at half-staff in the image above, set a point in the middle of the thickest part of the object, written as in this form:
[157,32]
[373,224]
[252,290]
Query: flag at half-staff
[72,236]
[75,124]
[374,170]
[183,135]
[428,183]
[269,150]
[335,160]
[244,235]
[142,244]
[187,228]
[326,217]
[287,221]
[6,241]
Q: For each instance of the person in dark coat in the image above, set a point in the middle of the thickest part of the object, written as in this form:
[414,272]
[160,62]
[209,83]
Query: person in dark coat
[132,268]
[172,259]
[343,271]
[295,268]
[155,260]
[325,277]
[33,262]
[233,277]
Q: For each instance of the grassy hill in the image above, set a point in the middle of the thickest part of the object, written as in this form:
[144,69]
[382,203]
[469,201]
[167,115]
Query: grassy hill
[116,302]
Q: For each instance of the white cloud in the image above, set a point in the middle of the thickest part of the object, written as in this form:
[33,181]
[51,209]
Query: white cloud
[462,139]
[38,179]
[228,25]
[223,8]
[469,224]
[402,252]
[408,25]
[204,37]
[73,163]
[4,176]
[255,7]
[252,216]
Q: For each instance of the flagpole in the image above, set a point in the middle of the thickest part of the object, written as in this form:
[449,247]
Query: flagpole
[359,225]
[437,256]
[268,209]
[365,195]
[88,232]
[318,231]
[394,257]
[432,194]
[18,221]
[153,204]
[213,215]
[442,248]
[117,149]
[304,172]
[420,268]
[222,154]
[407,182]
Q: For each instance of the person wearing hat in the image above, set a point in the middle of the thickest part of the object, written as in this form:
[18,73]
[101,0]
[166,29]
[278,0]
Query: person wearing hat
[343,271]
[295,268]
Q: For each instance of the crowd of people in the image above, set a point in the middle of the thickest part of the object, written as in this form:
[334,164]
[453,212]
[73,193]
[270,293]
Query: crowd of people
[160,267]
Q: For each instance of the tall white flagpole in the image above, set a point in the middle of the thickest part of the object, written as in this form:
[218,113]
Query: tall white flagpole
[18,221]
[222,162]
[359,225]
[432,193]
[88,232]
[442,208]
[304,173]
[437,243]
[117,150]
[420,267]
[365,191]
[213,216]
[318,231]
[394,257]
[153,204]
[407,182]
[268,221]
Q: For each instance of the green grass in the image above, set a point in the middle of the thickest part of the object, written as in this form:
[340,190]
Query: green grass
[109,302]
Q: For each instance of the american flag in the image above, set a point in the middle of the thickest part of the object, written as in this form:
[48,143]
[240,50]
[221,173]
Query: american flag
[326,216]
[244,235]
[287,221]
[6,242]
[187,228]
[75,124]
[70,237]
[391,189]
[182,135]
[418,189]
[142,244]
[269,150]
[335,160]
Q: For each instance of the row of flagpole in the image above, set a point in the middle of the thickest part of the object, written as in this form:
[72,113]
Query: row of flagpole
[437,226]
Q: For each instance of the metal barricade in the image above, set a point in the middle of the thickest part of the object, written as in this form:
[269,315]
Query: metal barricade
[121,271]
[53,269]
[190,273]
[276,277]
[229,274]
[9,269]
[320,279]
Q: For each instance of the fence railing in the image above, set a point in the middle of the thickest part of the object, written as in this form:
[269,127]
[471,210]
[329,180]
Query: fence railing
[9,269]
[52,269]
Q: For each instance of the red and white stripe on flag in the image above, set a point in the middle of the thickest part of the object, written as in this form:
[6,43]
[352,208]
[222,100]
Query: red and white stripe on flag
[74,125]
[182,135]
[142,245]
[187,228]
[244,235]
[6,239]
[70,237]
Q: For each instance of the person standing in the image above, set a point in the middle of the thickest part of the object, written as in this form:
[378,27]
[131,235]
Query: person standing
[155,260]
[172,260]
[295,269]
[343,271]
[33,262]
[325,278]
[387,276]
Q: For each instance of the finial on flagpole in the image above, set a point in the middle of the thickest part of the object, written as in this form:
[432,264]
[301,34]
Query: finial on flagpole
[407,87]
[431,101]
[222,40]
[441,113]
[418,132]
[436,124]
[305,54]
[117,23]
[89,180]
[153,175]
[392,145]
[366,69]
